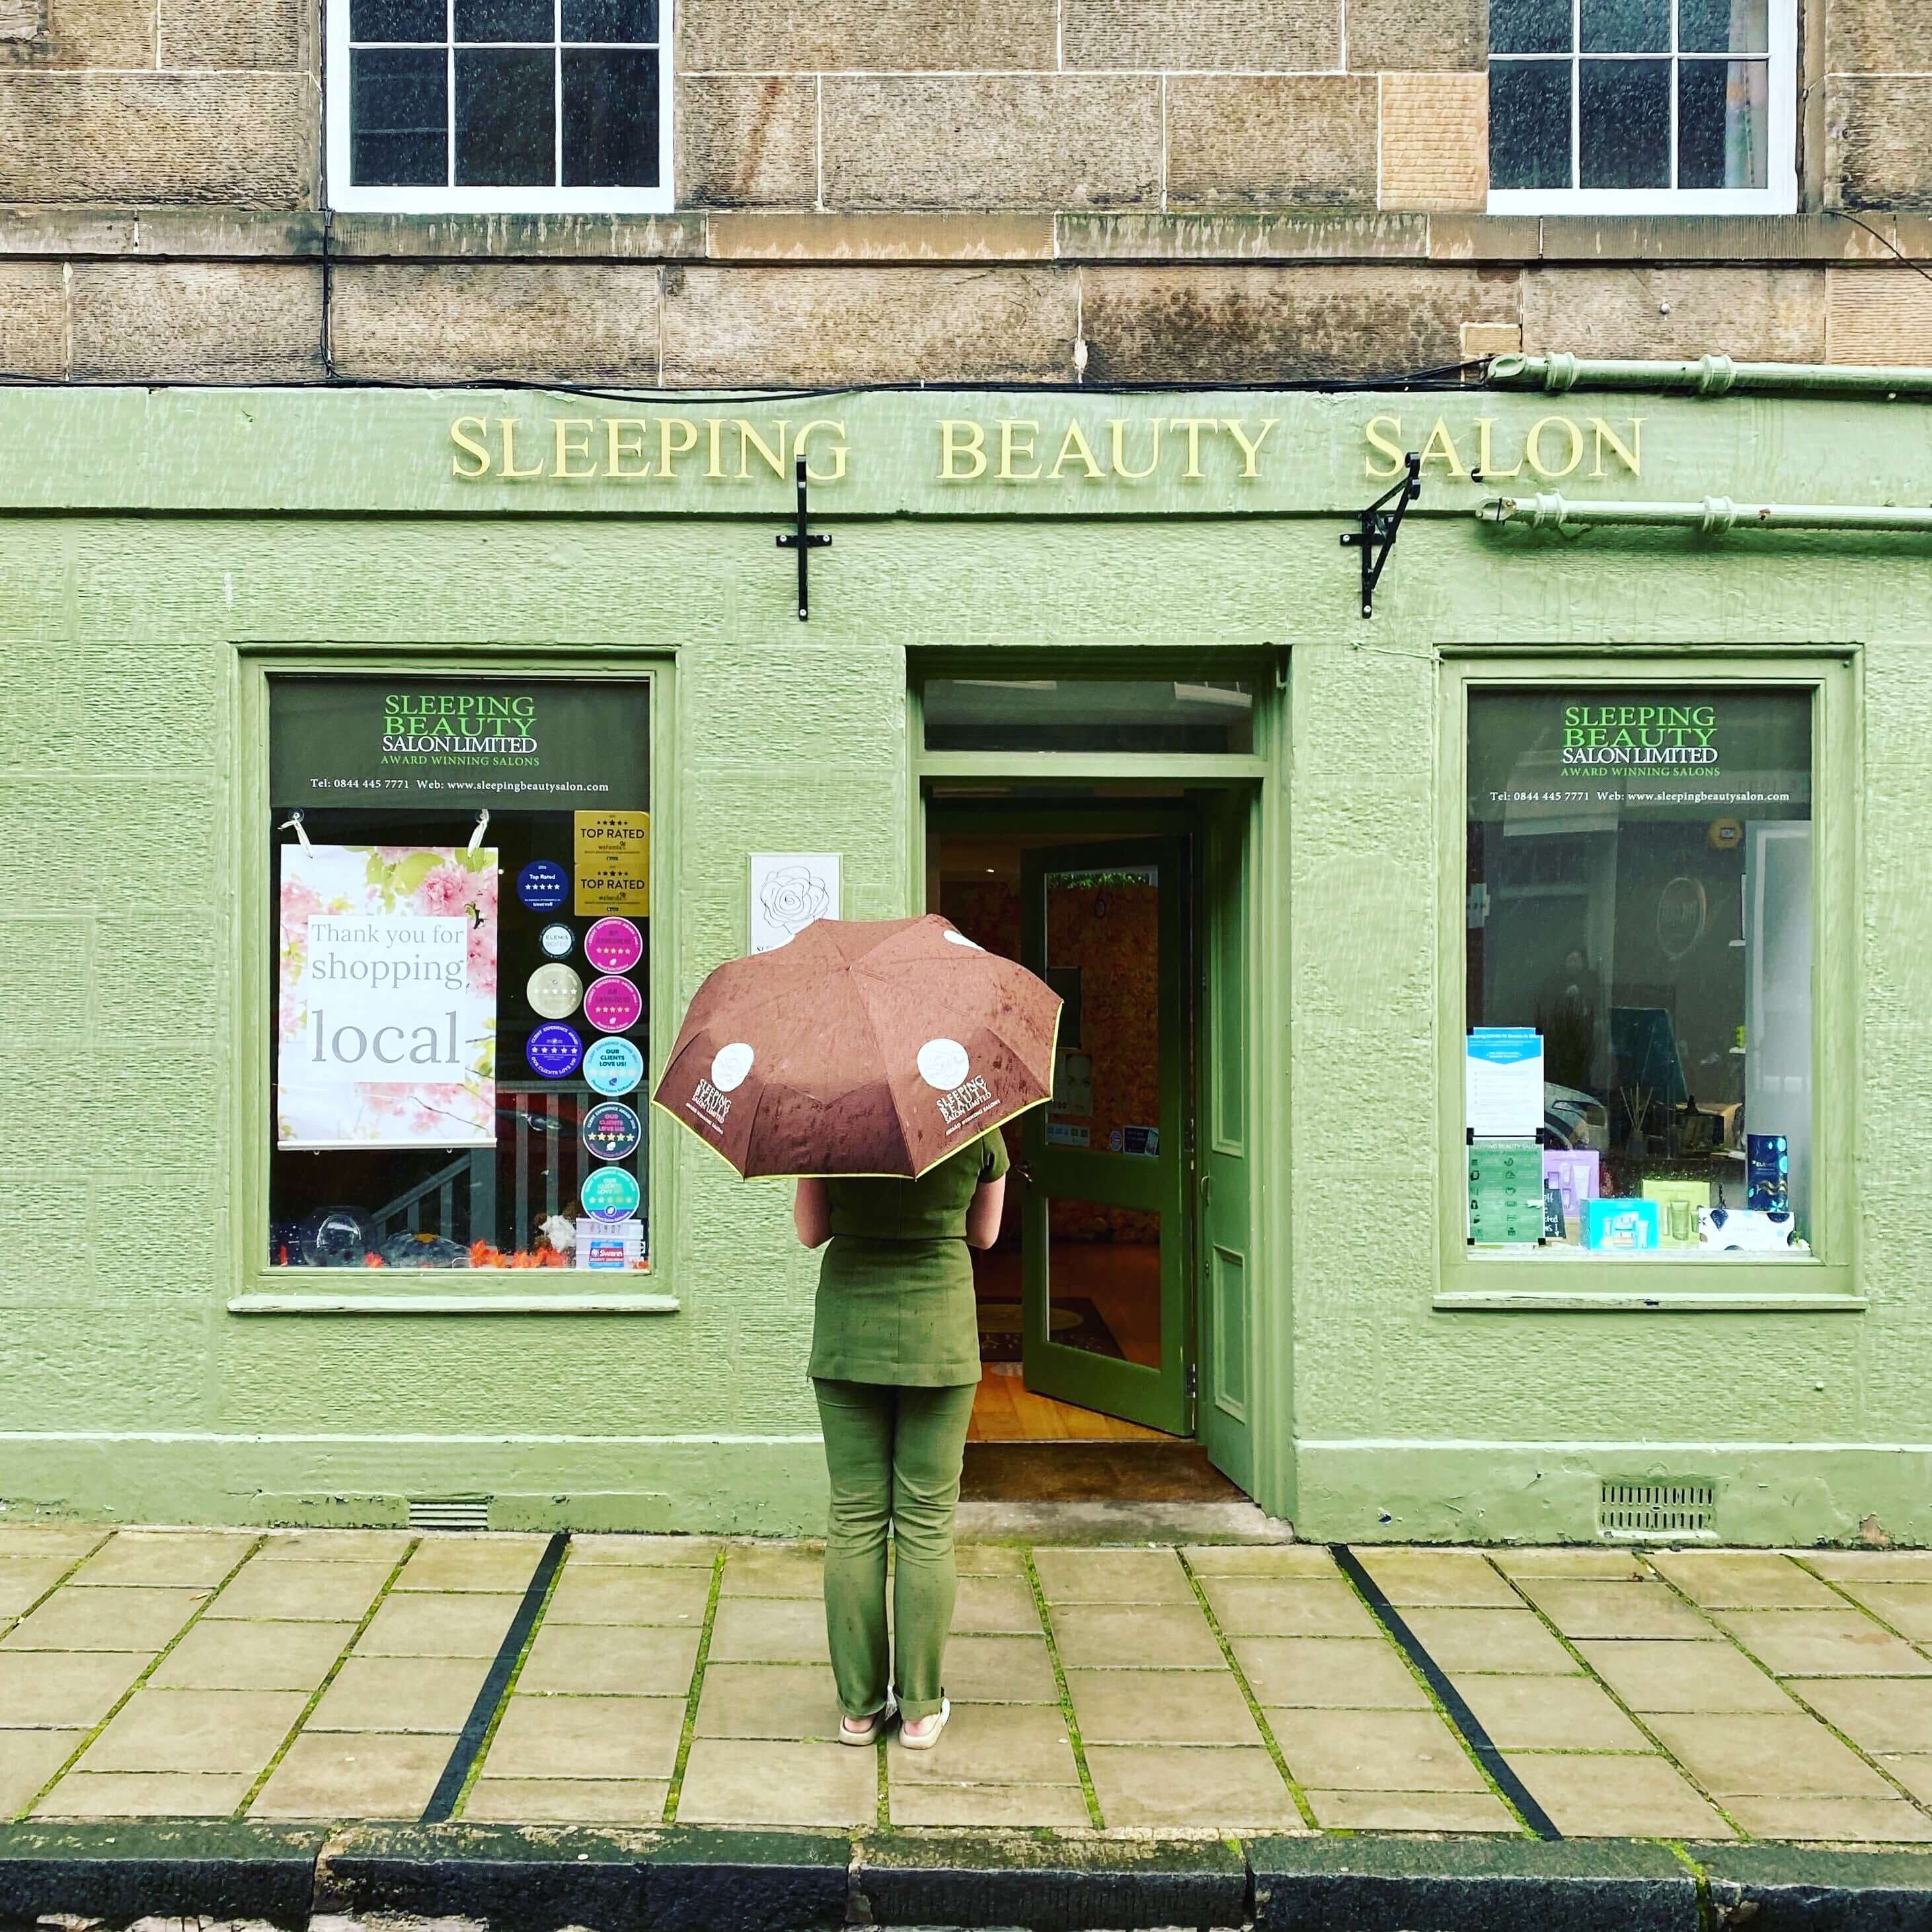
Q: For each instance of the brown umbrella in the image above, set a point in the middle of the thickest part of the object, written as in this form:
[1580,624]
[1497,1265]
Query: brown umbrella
[862,1046]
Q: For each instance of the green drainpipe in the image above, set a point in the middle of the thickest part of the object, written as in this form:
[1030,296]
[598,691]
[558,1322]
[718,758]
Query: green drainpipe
[1708,375]
[1714,516]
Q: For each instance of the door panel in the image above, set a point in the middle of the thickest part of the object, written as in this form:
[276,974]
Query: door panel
[1226,1186]
[1106,1232]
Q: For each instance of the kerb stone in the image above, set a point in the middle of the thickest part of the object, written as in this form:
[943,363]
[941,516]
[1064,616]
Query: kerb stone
[1790,1888]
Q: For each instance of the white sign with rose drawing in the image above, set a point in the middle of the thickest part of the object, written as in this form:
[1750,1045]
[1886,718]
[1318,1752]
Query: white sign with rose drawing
[789,890]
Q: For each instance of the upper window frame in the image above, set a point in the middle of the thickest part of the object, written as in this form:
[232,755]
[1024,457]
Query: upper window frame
[1779,195]
[343,196]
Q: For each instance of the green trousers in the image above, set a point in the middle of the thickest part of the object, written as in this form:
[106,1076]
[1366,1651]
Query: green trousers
[893,1453]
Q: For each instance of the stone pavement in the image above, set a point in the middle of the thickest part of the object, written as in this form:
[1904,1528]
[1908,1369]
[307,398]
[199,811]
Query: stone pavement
[341,1675]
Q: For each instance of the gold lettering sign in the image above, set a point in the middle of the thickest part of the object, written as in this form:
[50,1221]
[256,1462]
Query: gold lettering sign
[1547,447]
[638,449]
[614,862]
[1127,449]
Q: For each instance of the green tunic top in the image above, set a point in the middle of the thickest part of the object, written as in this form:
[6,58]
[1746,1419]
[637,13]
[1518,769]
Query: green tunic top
[895,1287]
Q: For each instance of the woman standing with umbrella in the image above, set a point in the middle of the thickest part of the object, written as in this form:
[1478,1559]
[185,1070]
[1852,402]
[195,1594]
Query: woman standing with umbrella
[875,1060]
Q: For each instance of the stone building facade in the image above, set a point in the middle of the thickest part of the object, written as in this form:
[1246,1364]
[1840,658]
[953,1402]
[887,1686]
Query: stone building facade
[982,191]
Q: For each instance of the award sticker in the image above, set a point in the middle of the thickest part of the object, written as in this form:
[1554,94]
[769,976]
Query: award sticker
[610,1194]
[613,1005]
[614,1067]
[543,885]
[556,940]
[554,1052]
[554,991]
[613,1131]
[613,946]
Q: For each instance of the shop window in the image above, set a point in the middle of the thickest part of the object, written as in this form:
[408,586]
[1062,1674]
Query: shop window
[499,105]
[1672,106]
[460,889]
[1638,971]
[1047,714]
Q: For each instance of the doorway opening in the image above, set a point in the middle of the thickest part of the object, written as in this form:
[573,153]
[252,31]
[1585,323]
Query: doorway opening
[1094,1325]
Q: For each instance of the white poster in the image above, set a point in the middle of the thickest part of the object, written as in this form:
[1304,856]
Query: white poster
[789,890]
[1503,1082]
[388,1008]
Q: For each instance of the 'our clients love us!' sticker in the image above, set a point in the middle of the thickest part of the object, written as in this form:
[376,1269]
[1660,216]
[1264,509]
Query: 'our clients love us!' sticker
[554,1052]
[613,1131]
[610,1194]
[612,1067]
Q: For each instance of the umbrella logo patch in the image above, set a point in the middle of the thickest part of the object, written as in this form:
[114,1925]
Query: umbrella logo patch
[729,1066]
[944,1066]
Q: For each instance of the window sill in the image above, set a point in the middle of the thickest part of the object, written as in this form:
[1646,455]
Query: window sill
[427,1292]
[1611,1301]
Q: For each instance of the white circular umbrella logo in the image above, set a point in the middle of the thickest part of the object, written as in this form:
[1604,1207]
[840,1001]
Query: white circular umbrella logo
[729,1065]
[943,1064]
[960,939]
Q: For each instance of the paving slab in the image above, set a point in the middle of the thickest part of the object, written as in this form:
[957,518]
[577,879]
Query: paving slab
[774,1570]
[105,1618]
[631,1593]
[611,1659]
[1906,1607]
[195,1730]
[1672,1676]
[753,1629]
[1876,1713]
[24,1580]
[992,1605]
[1815,1643]
[173,1559]
[1590,1607]
[587,1737]
[1061,1807]
[1171,1707]
[460,1561]
[308,1592]
[1135,1636]
[1260,1559]
[1763,1756]
[1288,1607]
[28,1758]
[1877,1566]
[670,1551]
[727,1780]
[1112,1576]
[1004,1744]
[65,1688]
[768,1700]
[1743,1579]
[1594,1797]
[1376,1750]
[42,1543]
[385,1547]
[1503,1640]
[1913,1770]
[1346,1673]
[252,1656]
[567,1801]
[1000,1669]
[990,1559]
[1410,1811]
[353,1775]
[1228,1789]
[1549,1714]
[1446,1579]
[145,1794]
[426,1624]
[1852,1820]
[1561,1560]
[401,1693]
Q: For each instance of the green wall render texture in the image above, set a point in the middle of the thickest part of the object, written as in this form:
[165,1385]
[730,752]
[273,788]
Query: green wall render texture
[125,1387]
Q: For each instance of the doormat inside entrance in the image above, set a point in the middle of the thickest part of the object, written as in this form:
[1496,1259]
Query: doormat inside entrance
[1077,1324]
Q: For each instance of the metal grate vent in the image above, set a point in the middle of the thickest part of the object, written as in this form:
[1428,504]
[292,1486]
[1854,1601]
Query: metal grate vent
[1658,1509]
[449,1512]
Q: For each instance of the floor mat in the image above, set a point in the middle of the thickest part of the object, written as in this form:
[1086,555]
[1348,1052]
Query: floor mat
[1077,1323]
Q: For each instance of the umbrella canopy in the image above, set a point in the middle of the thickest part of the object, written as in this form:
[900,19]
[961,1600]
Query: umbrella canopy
[862,1046]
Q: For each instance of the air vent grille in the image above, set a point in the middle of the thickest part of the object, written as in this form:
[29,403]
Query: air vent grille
[1661,1509]
[449,1512]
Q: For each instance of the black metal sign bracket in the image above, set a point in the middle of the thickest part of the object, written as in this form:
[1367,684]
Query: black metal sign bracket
[805,540]
[1380,527]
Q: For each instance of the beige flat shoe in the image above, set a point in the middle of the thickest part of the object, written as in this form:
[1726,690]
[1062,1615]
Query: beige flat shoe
[922,1733]
[858,1731]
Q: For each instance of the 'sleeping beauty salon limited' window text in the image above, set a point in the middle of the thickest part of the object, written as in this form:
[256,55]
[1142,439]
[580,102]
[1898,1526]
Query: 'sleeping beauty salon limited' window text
[1638,971]
[460,894]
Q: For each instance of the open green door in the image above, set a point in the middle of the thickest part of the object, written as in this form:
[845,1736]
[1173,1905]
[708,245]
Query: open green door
[1106,1172]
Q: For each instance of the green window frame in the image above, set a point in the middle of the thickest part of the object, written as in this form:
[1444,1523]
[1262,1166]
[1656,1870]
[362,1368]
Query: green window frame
[254,1289]
[1826,1279]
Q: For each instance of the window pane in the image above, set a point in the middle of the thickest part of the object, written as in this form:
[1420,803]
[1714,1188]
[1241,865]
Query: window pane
[1639,937]
[504,20]
[610,117]
[610,20]
[1103,1279]
[1722,26]
[1044,714]
[1529,26]
[398,116]
[1625,26]
[1529,123]
[445,1090]
[1722,109]
[396,20]
[505,117]
[1624,123]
